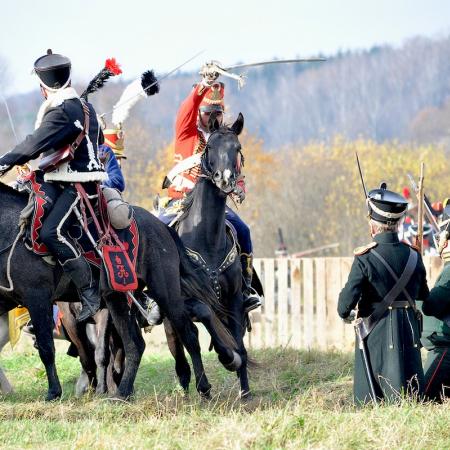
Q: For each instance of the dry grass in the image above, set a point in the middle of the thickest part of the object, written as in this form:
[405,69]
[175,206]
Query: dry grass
[301,400]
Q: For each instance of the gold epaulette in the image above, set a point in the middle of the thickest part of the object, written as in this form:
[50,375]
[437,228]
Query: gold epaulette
[364,249]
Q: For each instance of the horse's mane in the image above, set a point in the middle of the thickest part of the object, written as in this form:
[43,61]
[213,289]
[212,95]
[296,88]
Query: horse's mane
[187,203]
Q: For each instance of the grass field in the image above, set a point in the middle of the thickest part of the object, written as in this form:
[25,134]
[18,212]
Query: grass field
[301,400]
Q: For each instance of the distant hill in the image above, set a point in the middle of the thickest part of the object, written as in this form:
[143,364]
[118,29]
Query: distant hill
[383,93]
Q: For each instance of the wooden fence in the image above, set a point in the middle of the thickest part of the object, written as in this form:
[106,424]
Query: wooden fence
[301,296]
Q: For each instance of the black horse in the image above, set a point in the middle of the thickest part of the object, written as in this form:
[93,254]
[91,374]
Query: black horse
[203,230]
[161,263]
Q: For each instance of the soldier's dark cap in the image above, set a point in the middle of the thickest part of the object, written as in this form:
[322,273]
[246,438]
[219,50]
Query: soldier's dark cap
[427,229]
[386,206]
[53,70]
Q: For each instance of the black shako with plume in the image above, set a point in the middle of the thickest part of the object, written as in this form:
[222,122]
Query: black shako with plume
[145,86]
[111,69]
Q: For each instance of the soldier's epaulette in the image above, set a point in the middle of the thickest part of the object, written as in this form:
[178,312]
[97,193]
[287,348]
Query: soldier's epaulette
[364,249]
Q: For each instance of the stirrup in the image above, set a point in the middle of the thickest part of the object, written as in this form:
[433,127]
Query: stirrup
[252,301]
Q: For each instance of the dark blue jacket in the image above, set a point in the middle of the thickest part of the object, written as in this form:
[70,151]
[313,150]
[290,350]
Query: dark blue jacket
[115,177]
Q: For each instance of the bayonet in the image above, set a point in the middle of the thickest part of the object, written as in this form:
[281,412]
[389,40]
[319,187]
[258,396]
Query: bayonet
[361,175]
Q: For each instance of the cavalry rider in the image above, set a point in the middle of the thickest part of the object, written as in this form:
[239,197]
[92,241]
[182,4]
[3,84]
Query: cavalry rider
[386,278]
[191,135]
[63,120]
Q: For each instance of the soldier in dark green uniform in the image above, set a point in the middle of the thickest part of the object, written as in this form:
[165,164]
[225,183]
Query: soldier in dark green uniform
[385,279]
[436,331]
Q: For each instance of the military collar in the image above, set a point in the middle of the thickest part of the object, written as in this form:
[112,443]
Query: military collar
[386,238]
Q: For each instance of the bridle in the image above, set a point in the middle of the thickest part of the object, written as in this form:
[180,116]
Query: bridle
[206,170]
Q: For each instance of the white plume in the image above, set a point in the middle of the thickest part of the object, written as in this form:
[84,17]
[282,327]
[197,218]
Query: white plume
[130,96]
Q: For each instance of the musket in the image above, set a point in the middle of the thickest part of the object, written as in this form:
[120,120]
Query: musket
[419,238]
[314,250]
[282,249]
[11,122]
[361,175]
[364,354]
[214,68]
[427,205]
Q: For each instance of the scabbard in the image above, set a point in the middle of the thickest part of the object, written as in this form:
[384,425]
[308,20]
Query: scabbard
[365,356]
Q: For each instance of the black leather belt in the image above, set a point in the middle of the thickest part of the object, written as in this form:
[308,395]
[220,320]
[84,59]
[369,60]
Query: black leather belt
[400,304]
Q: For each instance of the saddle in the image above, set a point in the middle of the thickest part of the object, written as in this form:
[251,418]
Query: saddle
[119,247]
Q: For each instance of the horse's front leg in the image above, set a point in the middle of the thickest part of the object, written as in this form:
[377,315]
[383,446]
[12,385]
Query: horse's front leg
[78,336]
[42,318]
[221,339]
[236,327]
[182,367]
[132,339]
[5,386]
[102,350]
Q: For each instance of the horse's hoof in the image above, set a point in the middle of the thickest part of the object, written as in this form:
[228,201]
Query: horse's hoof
[205,395]
[119,398]
[100,390]
[184,383]
[235,364]
[52,396]
[246,396]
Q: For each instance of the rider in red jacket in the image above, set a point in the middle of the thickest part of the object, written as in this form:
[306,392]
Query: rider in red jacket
[191,135]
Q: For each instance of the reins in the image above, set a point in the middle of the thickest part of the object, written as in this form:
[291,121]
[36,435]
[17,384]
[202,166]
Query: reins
[8,264]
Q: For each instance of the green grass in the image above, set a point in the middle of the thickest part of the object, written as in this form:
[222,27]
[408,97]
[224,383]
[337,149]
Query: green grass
[301,400]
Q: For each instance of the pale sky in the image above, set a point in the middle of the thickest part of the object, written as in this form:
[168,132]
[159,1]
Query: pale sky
[161,34]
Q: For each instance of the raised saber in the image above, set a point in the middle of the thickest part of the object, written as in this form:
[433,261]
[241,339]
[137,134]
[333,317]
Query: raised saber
[276,61]
[213,69]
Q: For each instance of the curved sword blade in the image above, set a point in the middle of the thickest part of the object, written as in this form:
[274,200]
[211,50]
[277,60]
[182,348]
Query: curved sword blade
[279,61]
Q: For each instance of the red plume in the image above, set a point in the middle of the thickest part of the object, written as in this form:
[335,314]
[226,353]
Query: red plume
[406,193]
[113,66]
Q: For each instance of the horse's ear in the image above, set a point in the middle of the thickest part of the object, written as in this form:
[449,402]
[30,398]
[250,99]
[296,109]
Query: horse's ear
[213,123]
[238,126]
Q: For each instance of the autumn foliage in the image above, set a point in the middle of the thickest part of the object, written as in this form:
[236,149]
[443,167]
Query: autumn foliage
[312,192]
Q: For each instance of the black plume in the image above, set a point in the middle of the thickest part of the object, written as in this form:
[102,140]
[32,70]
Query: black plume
[147,79]
[97,82]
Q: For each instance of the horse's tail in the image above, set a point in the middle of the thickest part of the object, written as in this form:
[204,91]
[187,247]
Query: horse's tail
[196,284]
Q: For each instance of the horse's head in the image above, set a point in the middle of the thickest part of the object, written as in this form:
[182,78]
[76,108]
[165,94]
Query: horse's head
[223,159]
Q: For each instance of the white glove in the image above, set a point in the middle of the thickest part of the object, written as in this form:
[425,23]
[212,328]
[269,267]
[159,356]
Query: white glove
[351,317]
[239,193]
[209,73]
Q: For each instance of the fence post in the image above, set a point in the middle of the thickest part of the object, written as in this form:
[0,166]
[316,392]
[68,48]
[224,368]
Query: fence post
[308,302]
[321,305]
[270,338]
[296,324]
[283,300]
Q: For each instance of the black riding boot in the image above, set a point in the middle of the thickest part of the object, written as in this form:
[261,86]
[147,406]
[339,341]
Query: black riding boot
[251,297]
[80,273]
